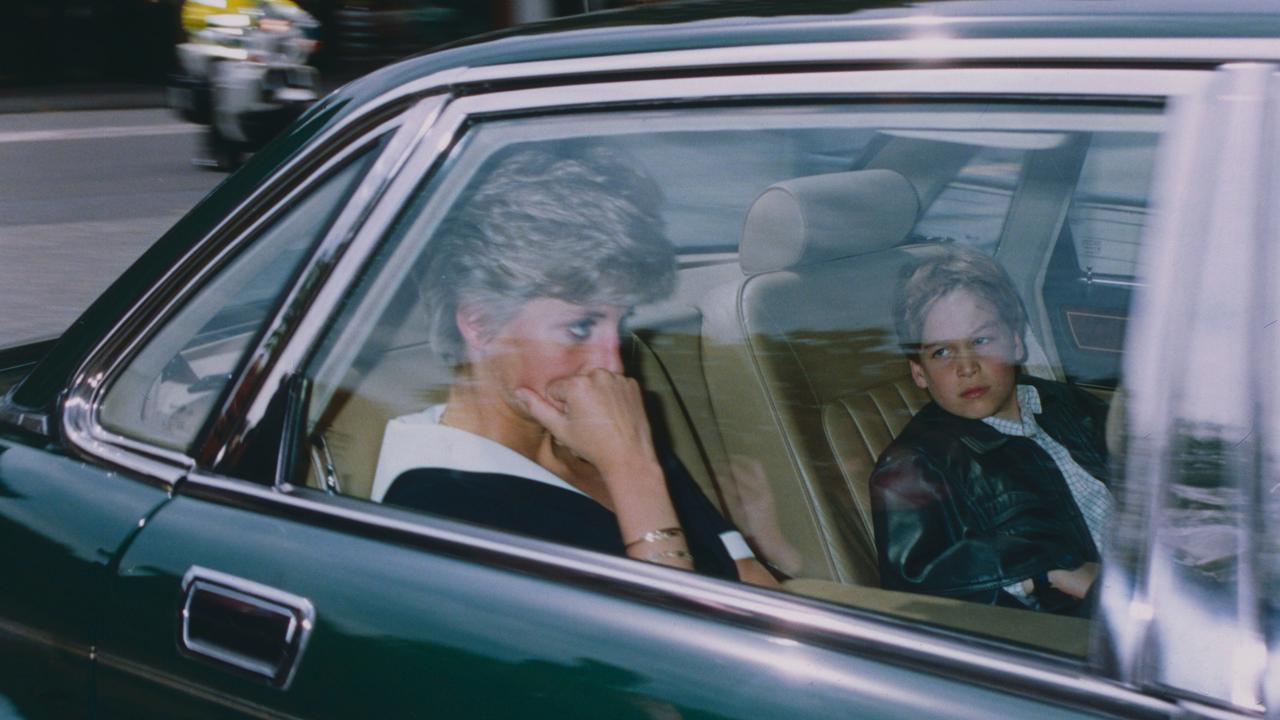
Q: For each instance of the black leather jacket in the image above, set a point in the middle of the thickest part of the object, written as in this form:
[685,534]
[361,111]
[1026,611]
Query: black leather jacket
[962,510]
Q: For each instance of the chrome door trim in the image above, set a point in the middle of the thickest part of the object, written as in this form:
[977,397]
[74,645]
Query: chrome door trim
[79,406]
[362,221]
[298,612]
[34,422]
[325,281]
[939,83]
[931,47]
[49,640]
[794,617]
[1267,345]
[272,363]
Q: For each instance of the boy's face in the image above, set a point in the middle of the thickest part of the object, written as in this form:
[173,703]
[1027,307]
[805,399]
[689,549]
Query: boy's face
[968,358]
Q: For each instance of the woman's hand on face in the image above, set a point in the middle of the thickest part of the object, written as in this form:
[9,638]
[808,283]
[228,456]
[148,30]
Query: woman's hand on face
[600,418]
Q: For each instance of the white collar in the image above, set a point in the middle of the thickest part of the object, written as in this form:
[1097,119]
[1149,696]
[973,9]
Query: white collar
[418,440]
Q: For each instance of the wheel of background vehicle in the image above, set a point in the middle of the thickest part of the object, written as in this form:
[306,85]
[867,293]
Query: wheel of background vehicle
[226,152]
[220,152]
[201,110]
[189,97]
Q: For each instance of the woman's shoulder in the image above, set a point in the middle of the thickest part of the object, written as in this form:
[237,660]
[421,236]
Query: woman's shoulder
[418,440]
[397,453]
[511,503]
[488,489]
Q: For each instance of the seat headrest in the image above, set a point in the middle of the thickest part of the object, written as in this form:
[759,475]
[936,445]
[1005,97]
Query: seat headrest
[821,217]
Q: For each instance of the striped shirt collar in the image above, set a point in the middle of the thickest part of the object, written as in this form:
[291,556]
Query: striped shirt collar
[1028,407]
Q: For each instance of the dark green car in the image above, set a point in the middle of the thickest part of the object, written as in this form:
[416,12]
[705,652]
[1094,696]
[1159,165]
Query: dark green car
[189,523]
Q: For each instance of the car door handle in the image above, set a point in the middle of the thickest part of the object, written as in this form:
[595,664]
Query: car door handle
[244,626]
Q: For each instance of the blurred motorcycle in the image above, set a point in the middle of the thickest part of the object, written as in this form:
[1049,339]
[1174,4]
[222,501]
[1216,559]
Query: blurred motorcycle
[243,73]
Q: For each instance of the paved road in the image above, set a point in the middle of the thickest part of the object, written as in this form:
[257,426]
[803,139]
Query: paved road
[82,194]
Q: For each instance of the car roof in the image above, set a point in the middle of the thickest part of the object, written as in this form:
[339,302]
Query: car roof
[702,24]
[667,27]
[817,20]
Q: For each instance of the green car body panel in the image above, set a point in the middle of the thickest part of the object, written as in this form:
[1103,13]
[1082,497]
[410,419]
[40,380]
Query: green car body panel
[63,524]
[441,622]
[413,631]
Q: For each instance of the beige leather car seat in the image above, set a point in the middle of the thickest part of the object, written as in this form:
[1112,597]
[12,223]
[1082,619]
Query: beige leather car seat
[802,361]
[803,367]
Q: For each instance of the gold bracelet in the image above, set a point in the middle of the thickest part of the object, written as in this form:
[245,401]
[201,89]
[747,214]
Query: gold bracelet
[670,555]
[657,535]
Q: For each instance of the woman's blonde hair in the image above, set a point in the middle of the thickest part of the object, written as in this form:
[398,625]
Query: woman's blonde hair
[955,268]
[577,224]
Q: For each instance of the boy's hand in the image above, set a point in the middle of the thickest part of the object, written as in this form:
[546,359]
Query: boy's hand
[1075,583]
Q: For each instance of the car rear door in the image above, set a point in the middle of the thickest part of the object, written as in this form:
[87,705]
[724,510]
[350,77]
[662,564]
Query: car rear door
[250,595]
[402,620]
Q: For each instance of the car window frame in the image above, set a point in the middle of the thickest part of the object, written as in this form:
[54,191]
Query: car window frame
[847,627]
[1189,223]
[921,84]
[78,410]
[468,104]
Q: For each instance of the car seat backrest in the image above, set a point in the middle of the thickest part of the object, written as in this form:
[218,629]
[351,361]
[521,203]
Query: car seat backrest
[820,386]
[404,379]
[808,221]
[806,372]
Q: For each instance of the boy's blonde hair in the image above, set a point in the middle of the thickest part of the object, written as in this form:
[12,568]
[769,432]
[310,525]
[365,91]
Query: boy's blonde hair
[955,268]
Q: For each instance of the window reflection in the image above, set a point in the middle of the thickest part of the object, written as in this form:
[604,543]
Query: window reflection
[773,370]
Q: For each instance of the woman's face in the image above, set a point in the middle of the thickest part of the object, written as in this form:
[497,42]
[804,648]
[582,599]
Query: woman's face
[968,358]
[546,340]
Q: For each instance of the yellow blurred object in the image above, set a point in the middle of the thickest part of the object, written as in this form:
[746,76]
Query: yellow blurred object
[196,13]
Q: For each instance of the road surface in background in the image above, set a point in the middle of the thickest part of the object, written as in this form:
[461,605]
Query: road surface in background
[82,195]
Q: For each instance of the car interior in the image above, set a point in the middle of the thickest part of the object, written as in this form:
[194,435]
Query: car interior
[773,372]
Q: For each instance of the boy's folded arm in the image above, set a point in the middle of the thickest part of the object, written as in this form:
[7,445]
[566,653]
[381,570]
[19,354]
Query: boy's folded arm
[925,544]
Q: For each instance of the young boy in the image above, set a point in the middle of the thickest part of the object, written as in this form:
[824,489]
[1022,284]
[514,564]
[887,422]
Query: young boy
[994,492]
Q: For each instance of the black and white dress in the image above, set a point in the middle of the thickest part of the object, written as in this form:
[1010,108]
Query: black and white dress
[460,475]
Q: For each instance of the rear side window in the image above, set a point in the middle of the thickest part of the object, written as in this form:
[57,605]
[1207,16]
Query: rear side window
[972,207]
[1103,179]
[167,391]
[771,365]
[1093,271]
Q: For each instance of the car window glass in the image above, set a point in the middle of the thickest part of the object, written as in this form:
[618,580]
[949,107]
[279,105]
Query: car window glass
[1108,208]
[1201,417]
[1093,269]
[704,202]
[772,372]
[166,392]
[972,207]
